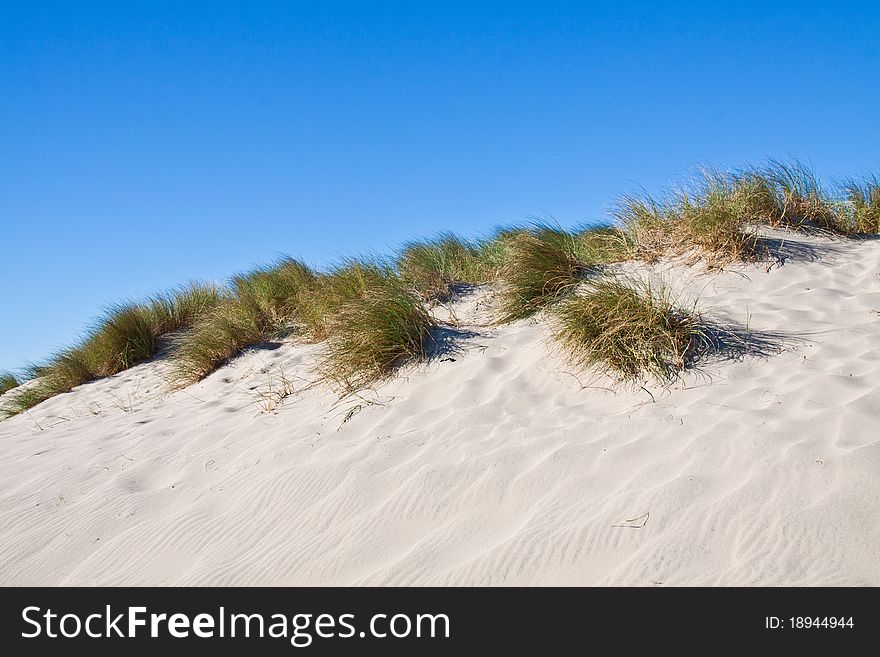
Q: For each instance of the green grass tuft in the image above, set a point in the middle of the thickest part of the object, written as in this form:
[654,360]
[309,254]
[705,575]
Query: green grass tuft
[718,216]
[711,219]
[350,281]
[178,309]
[802,201]
[26,398]
[261,305]
[602,245]
[125,336]
[629,329]
[373,324]
[129,335]
[649,224]
[861,214]
[273,294]
[715,221]
[8,381]
[541,266]
[755,197]
[62,373]
[432,267]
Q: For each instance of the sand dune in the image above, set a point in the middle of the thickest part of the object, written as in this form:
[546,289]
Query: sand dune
[492,464]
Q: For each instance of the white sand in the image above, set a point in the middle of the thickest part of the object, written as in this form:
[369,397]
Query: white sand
[494,468]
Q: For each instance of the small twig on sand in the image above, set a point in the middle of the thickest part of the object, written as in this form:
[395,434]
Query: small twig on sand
[630,524]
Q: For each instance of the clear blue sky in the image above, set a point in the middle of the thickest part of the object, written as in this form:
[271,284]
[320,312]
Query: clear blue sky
[143,146]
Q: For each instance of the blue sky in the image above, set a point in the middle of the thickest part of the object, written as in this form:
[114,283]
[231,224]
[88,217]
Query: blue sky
[142,146]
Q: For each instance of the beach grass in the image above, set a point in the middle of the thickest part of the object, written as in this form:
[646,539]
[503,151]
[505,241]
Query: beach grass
[8,381]
[432,267]
[710,219]
[179,308]
[756,197]
[862,208]
[122,337]
[372,323]
[602,245]
[715,221]
[802,200]
[371,312]
[260,305]
[62,373]
[629,329]
[351,280]
[368,316]
[541,265]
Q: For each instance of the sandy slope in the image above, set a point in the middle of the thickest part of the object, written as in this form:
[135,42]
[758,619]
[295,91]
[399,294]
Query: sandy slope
[497,467]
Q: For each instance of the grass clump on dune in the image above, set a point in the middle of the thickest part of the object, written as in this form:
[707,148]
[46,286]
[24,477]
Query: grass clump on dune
[629,329]
[755,196]
[260,305]
[365,312]
[373,324]
[711,220]
[273,294]
[8,381]
[179,309]
[125,336]
[602,245]
[62,373]
[541,266]
[649,224]
[716,221]
[432,267]
[801,199]
[130,334]
[717,217]
[862,206]
[351,281]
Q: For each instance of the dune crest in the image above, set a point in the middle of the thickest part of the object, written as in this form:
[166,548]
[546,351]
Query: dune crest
[494,463]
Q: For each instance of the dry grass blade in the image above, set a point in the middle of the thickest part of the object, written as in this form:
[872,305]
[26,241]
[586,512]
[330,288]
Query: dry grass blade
[274,393]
